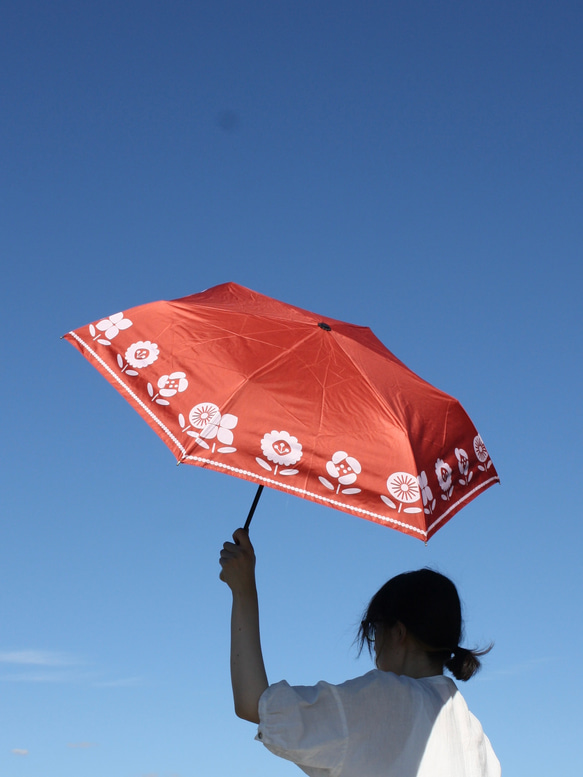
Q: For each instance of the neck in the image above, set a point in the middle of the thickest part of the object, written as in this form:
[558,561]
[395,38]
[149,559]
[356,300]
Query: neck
[418,665]
[401,653]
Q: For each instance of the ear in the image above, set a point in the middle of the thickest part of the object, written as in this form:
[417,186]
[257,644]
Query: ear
[400,633]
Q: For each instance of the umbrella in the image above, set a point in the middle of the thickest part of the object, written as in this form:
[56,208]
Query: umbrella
[250,386]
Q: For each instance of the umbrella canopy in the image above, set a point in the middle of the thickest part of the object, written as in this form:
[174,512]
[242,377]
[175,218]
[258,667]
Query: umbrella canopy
[247,385]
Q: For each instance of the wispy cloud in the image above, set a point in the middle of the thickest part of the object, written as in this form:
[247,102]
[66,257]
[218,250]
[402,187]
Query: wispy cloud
[19,751]
[36,677]
[46,666]
[81,745]
[39,666]
[37,658]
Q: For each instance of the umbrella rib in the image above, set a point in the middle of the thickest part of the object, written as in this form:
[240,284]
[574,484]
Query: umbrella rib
[372,387]
[266,367]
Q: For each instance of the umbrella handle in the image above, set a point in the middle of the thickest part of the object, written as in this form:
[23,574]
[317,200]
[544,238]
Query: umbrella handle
[253,506]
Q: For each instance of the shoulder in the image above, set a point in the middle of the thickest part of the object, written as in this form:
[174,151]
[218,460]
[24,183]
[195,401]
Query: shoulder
[379,681]
[375,679]
[396,697]
[370,688]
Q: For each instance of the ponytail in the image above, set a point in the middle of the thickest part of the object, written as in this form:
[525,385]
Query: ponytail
[464,663]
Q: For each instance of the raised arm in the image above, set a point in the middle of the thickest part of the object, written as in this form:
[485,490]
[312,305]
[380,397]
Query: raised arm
[248,676]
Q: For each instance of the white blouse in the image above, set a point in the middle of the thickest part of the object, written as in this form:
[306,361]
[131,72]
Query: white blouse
[378,725]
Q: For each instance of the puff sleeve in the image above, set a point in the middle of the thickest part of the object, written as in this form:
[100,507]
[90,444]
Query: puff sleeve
[306,725]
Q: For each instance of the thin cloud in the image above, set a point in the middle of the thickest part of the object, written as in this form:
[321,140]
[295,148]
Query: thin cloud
[40,666]
[45,666]
[37,658]
[19,751]
[47,675]
[81,745]
[36,677]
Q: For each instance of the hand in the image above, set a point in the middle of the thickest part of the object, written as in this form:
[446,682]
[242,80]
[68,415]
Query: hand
[237,560]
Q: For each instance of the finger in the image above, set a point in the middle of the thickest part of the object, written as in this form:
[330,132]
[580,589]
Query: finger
[227,553]
[241,537]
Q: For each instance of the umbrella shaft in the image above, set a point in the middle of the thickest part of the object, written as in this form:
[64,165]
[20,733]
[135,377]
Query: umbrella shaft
[253,506]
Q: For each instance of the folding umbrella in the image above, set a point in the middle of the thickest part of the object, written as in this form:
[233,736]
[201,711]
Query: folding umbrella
[250,386]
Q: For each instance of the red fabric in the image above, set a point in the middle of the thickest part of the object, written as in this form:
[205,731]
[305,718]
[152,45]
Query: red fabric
[242,383]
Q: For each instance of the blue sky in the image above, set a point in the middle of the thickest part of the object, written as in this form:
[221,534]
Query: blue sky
[413,167]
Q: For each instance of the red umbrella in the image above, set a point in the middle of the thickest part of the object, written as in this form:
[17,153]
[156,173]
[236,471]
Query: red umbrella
[244,384]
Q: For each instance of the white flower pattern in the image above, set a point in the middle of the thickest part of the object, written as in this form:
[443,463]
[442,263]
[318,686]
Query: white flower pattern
[142,354]
[463,466]
[426,494]
[172,384]
[482,454]
[345,469]
[108,328]
[168,386]
[444,477]
[282,449]
[403,487]
[202,414]
[480,449]
[221,428]
[207,417]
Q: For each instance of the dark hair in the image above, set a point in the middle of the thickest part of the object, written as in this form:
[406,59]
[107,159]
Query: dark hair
[428,605]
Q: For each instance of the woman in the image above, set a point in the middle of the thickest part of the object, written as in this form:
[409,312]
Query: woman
[403,719]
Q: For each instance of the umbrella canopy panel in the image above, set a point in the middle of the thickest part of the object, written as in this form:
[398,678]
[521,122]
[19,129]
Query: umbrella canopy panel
[239,382]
